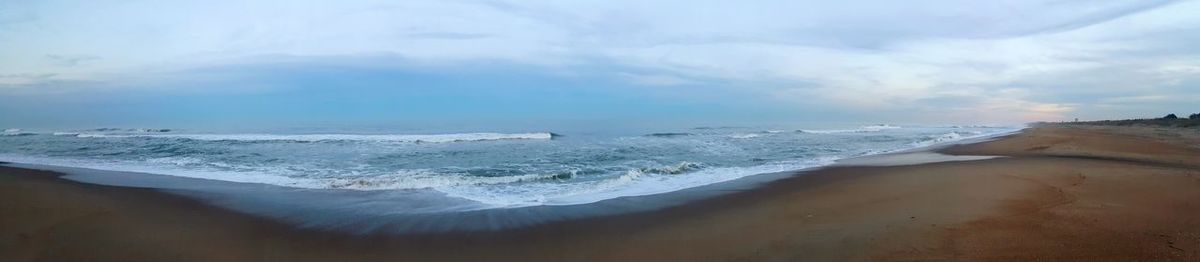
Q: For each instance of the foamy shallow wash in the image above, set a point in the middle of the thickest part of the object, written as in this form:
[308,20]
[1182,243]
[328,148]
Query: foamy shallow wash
[494,170]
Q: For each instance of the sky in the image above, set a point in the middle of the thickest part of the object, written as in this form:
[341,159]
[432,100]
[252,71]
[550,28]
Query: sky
[514,63]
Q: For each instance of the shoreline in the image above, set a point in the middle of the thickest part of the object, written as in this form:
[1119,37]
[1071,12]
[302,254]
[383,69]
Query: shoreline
[832,213]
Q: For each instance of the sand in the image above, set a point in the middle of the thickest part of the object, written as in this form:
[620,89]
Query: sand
[1062,193]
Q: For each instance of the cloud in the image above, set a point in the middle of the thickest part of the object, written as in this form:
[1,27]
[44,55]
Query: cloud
[1152,99]
[444,35]
[1042,60]
[22,79]
[27,76]
[657,80]
[15,12]
[71,60]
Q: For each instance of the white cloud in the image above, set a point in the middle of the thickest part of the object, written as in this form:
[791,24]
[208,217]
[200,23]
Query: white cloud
[1032,57]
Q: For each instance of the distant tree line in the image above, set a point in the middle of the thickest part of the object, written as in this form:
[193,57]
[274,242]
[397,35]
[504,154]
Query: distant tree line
[1192,116]
[1170,120]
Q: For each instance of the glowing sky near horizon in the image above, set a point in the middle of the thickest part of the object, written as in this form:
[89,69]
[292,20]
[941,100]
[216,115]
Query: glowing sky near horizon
[931,61]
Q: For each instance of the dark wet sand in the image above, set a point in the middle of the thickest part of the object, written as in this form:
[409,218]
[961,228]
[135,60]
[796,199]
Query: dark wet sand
[1067,193]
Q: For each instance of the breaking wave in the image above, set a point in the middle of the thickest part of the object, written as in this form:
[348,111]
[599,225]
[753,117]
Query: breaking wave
[131,130]
[947,137]
[424,178]
[669,134]
[15,132]
[744,136]
[871,128]
[439,138]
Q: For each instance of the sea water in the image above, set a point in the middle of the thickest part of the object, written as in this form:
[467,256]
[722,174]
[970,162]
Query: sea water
[487,169]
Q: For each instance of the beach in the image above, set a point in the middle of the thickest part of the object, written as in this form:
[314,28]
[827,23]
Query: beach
[1057,192]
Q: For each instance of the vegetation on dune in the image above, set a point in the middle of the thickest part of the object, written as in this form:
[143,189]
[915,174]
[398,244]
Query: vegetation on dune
[1170,120]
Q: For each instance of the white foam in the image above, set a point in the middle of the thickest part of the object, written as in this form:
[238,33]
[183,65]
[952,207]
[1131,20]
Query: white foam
[933,140]
[834,131]
[880,127]
[178,161]
[980,126]
[15,132]
[169,168]
[744,136]
[635,182]
[424,178]
[871,128]
[438,138]
[903,159]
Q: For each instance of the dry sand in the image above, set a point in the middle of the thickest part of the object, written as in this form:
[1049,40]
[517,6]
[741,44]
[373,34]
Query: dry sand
[1066,193]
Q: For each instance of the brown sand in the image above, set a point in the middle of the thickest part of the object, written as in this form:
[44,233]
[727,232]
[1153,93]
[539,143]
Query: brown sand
[1070,193]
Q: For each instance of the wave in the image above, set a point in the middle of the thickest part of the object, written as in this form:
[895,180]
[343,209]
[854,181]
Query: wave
[744,136]
[15,132]
[881,126]
[112,132]
[864,129]
[177,161]
[669,134]
[450,182]
[714,127]
[977,126]
[682,167]
[947,137]
[633,182]
[646,181]
[424,178]
[132,130]
[438,138]
[169,167]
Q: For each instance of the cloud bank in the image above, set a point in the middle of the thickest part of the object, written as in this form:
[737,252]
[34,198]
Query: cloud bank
[919,61]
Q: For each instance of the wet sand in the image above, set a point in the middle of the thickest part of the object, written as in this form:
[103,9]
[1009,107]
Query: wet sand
[1063,193]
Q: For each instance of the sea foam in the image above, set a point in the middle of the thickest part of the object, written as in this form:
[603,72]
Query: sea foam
[15,132]
[871,128]
[437,138]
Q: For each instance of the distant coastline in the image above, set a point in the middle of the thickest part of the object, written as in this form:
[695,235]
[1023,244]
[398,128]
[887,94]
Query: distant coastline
[1171,120]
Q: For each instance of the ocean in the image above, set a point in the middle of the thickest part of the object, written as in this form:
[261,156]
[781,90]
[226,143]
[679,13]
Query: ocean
[488,170]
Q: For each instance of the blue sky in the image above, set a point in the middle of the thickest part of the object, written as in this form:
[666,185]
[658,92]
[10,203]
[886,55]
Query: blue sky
[180,63]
